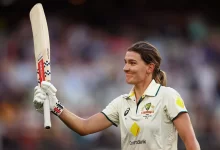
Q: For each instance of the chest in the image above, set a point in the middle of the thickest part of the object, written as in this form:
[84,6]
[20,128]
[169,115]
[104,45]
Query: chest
[143,116]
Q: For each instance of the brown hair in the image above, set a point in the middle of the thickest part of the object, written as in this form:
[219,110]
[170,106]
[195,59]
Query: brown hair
[149,54]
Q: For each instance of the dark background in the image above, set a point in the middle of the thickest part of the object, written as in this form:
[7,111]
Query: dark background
[112,12]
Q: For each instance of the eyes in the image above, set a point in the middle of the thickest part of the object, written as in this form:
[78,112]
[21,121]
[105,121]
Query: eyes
[131,62]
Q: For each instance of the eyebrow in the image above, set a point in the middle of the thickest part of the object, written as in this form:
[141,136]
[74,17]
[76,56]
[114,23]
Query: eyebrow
[130,60]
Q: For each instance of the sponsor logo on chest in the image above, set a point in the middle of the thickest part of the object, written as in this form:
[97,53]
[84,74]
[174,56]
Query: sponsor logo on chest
[137,142]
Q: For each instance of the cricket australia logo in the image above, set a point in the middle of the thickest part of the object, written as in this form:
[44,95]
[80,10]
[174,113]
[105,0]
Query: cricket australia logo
[147,110]
[147,106]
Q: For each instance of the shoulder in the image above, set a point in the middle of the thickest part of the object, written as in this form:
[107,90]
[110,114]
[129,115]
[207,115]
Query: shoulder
[168,91]
[120,98]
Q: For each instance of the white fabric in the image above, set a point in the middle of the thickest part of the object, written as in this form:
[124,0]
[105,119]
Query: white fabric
[147,125]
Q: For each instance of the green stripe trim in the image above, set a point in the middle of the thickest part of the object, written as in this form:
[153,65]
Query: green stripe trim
[140,100]
[157,90]
[179,114]
[109,119]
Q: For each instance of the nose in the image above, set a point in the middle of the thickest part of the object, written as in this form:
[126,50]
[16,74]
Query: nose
[126,68]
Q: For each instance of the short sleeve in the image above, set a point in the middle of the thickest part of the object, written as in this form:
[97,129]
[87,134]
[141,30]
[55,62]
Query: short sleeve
[174,104]
[111,111]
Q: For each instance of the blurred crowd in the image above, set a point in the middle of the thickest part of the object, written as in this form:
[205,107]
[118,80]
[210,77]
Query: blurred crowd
[87,63]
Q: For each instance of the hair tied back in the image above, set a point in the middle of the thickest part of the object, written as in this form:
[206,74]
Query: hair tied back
[158,70]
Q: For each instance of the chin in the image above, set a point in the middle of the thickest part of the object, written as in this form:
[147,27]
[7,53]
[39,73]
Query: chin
[129,82]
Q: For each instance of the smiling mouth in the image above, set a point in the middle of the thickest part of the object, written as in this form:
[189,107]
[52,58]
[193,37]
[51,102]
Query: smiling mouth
[128,75]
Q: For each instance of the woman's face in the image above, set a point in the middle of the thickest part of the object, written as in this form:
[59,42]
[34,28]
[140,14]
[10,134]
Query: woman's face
[136,70]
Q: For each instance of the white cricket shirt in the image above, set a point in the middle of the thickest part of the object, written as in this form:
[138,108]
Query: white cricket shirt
[147,125]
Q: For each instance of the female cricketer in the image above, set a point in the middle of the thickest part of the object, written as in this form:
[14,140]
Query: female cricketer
[150,117]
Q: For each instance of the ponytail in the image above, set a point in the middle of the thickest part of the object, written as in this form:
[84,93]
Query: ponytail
[160,77]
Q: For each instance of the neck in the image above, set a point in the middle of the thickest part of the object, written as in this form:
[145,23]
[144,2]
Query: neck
[140,88]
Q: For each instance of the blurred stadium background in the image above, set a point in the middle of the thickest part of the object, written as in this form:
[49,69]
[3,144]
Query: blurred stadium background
[88,43]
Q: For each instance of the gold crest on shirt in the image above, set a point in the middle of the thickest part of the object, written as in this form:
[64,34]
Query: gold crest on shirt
[135,129]
[179,102]
[148,109]
[147,106]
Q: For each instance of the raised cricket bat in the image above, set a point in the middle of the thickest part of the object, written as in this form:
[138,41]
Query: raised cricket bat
[42,52]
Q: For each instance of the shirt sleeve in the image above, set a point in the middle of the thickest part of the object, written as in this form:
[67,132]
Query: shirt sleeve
[174,104]
[111,111]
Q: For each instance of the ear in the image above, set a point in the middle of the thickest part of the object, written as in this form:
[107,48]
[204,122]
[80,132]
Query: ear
[150,68]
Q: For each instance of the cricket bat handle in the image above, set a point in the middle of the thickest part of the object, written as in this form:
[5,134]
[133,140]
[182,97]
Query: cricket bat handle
[47,121]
